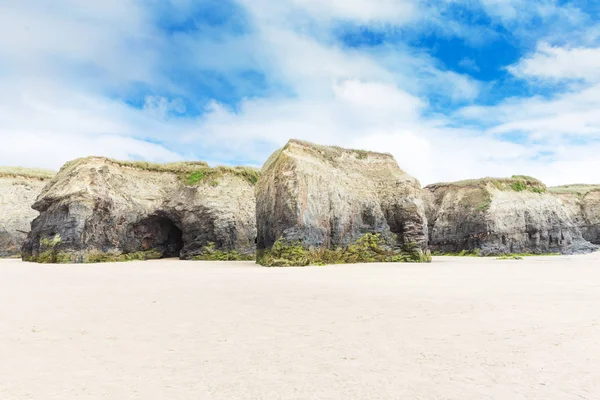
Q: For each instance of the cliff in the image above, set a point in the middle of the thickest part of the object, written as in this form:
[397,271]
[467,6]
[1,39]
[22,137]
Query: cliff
[97,209]
[318,197]
[583,202]
[498,216]
[19,188]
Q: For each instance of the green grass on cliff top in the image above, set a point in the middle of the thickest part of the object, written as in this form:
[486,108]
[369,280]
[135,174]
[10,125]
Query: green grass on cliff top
[14,172]
[580,189]
[516,183]
[190,172]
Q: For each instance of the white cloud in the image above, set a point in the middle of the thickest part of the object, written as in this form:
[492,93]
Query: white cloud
[361,11]
[511,12]
[48,149]
[68,63]
[560,63]
[365,11]
[45,38]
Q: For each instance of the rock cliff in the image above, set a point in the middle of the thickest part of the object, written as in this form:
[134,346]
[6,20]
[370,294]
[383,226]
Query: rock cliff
[583,201]
[499,216]
[97,209]
[320,197]
[19,188]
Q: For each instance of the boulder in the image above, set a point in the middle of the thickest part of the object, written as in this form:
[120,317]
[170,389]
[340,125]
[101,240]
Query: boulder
[97,209]
[583,201]
[493,216]
[19,188]
[319,197]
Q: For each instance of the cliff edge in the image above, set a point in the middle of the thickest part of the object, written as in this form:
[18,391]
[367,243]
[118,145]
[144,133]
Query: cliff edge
[19,187]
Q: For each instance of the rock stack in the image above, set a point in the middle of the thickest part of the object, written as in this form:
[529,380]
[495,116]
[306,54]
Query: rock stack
[318,198]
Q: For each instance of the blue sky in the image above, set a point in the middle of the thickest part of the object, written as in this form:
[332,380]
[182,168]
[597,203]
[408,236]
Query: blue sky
[454,89]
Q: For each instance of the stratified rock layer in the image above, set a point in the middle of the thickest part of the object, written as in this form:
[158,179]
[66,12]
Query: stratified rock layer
[501,216]
[18,190]
[96,207]
[583,201]
[327,197]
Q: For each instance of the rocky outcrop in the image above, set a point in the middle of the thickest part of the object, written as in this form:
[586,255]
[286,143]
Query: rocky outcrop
[97,209]
[500,216]
[319,197]
[19,188]
[583,202]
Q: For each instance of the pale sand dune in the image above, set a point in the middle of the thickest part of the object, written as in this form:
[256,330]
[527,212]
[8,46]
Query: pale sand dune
[464,328]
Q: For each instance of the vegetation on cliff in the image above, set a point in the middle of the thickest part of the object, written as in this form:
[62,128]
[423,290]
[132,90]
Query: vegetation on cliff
[18,172]
[211,253]
[516,183]
[577,189]
[370,248]
[189,172]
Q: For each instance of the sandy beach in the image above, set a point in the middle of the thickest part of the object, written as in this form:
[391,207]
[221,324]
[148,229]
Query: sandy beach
[459,328]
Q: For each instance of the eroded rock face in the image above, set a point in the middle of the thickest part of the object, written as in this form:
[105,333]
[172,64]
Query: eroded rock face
[583,202]
[327,197]
[501,216]
[100,206]
[18,191]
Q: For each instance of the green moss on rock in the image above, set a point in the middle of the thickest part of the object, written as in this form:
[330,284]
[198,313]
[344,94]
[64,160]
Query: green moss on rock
[368,249]
[210,253]
[92,257]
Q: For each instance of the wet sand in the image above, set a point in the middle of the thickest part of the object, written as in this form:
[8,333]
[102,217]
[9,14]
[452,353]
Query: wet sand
[459,328]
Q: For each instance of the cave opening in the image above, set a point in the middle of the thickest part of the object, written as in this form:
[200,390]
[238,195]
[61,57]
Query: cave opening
[159,233]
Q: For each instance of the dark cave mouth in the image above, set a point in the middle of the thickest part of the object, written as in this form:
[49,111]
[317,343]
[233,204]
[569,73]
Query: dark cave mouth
[160,233]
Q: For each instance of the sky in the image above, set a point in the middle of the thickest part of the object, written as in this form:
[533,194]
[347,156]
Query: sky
[454,89]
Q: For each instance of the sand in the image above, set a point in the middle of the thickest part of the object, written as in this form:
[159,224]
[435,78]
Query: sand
[459,328]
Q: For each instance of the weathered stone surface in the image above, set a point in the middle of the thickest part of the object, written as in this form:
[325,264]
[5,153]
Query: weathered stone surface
[328,197]
[99,206]
[583,201]
[18,190]
[500,216]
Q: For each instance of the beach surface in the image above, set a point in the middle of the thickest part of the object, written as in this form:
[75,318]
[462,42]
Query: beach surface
[458,328]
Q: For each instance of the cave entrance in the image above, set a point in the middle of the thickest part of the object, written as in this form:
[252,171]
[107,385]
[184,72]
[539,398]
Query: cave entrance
[159,233]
